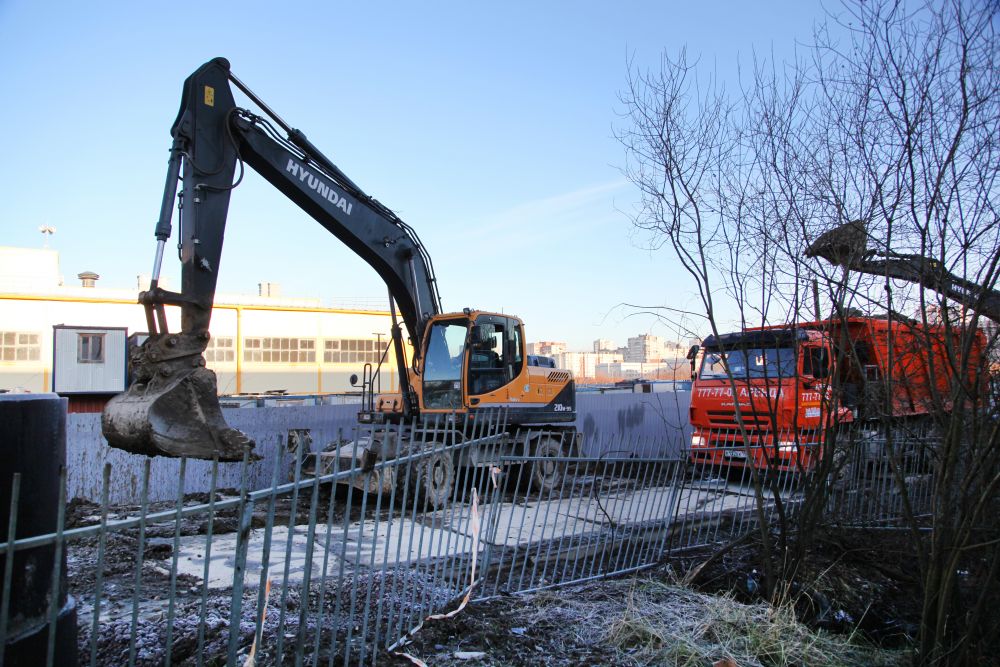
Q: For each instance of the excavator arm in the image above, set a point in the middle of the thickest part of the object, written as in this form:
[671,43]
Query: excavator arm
[171,408]
[846,246]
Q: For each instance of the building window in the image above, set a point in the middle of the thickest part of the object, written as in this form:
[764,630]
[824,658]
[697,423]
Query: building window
[221,349]
[90,348]
[351,351]
[19,346]
[279,350]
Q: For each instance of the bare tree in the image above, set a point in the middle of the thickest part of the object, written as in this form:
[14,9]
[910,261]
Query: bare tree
[684,149]
[890,117]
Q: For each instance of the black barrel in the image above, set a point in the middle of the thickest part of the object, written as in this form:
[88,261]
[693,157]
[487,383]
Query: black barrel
[33,443]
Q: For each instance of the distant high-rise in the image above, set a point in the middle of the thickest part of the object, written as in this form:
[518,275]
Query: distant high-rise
[547,348]
[604,345]
[646,348]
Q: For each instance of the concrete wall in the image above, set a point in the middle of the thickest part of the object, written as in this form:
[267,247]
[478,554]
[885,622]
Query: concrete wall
[612,424]
[87,452]
[622,424]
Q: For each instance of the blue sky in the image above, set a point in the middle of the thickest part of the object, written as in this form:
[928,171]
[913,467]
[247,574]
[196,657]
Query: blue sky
[489,127]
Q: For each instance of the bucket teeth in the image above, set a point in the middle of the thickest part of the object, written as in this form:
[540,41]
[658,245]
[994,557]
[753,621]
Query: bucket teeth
[172,407]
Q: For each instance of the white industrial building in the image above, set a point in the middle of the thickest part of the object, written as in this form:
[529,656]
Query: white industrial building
[259,343]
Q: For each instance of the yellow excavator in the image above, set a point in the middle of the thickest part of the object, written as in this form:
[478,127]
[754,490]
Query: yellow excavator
[462,363]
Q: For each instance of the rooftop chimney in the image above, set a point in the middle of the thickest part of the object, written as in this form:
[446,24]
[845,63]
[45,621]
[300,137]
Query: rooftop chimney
[269,289]
[88,278]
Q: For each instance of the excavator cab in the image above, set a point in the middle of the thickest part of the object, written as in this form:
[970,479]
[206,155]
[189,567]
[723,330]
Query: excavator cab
[470,359]
[496,356]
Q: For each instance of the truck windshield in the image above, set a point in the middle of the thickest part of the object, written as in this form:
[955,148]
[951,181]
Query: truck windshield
[746,363]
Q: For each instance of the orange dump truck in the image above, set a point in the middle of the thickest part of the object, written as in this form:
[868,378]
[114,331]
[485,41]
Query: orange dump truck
[791,382]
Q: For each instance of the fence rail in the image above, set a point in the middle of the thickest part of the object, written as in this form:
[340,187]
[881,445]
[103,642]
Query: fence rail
[315,570]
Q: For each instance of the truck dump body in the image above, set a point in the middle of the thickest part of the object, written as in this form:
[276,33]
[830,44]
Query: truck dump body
[771,394]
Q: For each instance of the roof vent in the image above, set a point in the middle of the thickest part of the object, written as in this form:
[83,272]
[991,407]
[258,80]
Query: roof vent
[88,278]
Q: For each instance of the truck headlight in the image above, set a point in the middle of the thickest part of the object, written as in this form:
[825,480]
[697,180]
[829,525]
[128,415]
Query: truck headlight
[787,446]
[698,441]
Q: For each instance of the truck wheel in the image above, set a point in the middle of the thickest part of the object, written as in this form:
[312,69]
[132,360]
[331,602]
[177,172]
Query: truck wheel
[547,474]
[432,478]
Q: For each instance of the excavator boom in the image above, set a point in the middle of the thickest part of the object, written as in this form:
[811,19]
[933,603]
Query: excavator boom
[847,246]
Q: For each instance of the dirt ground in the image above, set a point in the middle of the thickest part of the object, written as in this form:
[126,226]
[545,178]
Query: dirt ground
[853,602]
[642,620]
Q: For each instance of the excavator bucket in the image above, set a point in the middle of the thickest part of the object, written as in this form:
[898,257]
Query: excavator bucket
[843,245]
[172,406]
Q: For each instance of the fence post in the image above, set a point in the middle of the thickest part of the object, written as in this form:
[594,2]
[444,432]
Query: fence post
[33,443]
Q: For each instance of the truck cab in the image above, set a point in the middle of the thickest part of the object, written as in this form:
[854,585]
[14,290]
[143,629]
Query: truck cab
[776,381]
[792,382]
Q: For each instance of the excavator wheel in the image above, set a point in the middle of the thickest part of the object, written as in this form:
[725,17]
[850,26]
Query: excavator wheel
[432,479]
[547,474]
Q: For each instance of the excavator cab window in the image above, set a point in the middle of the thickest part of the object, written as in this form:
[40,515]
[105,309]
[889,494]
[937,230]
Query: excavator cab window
[495,355]
[443,364]
[515,355]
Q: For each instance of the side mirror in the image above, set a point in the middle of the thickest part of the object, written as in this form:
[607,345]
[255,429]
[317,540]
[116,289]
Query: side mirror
[692,356]
[354,379]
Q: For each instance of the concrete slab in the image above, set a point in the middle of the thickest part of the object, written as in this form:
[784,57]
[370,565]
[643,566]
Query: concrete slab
[402,541]
[635,507]
[399,542]
[222,563]
[522,524]
[578,552]
[448,533]
[695,499]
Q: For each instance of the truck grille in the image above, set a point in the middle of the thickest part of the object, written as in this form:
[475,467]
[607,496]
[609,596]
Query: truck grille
[731,437]
[754,421]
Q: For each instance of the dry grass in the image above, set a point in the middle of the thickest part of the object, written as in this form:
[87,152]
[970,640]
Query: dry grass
[665,624]
[650,620]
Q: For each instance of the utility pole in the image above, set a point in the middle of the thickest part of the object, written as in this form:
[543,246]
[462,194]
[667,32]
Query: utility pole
[379,335]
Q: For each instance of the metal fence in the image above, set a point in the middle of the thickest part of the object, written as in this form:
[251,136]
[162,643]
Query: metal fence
[881,480]
[317,570]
